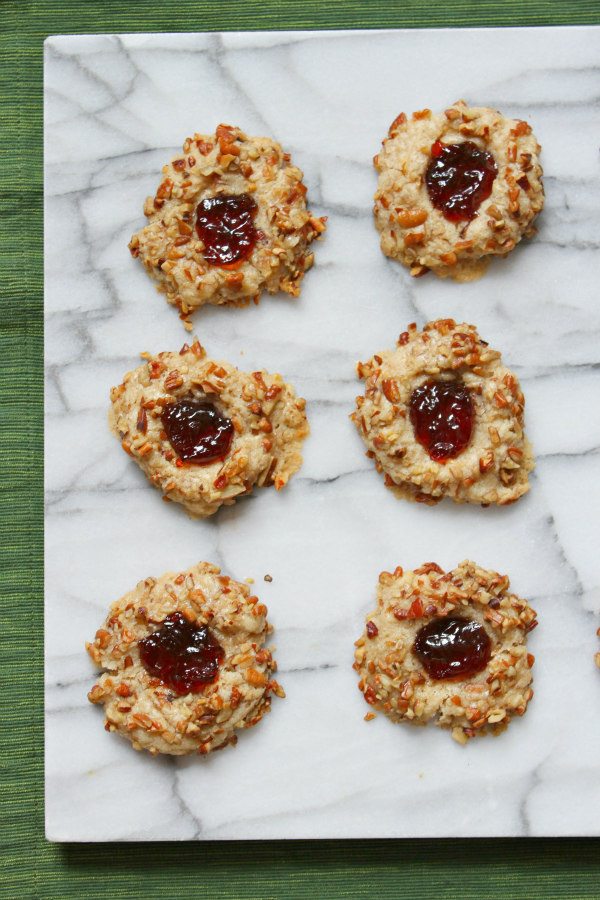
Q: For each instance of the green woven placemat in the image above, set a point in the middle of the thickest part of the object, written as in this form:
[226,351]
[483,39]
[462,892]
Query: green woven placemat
[29,867]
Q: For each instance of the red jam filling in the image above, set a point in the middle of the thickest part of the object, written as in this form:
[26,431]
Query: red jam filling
[459,178]
[442,415]
[183,656]
[453,647]
[197,431]
[225,225]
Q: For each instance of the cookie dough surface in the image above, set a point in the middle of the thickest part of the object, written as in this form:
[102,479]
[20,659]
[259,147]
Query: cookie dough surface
[144,709]
[221,164]
[494,466]
[418,235]
[393,679]
[269,421]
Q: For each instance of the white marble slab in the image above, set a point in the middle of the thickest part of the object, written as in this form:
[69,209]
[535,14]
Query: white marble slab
[116,109]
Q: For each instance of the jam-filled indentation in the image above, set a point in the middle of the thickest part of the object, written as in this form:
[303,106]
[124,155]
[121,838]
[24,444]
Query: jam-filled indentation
[225,225]
[459,178]
[197,431]
[453,647]
[183,656]
[442,416]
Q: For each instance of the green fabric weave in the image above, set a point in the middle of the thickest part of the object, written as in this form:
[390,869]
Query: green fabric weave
[30,867]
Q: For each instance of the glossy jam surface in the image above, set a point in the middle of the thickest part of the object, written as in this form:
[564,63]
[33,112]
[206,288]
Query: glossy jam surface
[197,431]
[225,225]
[459,178]
[442,415]
[453,647]
[183,656]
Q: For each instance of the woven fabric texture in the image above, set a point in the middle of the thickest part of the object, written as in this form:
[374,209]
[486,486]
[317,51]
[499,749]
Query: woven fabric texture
[30,867]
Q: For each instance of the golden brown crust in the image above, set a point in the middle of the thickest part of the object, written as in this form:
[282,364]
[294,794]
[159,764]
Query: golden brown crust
[495,465]
[145,710]
[416,233]
[227,162]
[392,678]
[269,420]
